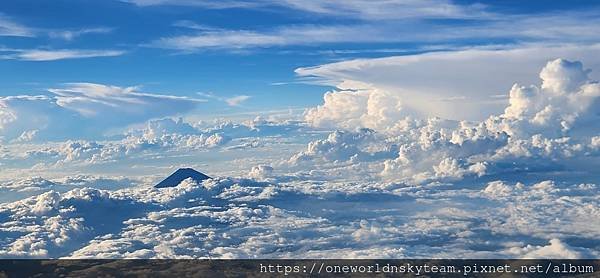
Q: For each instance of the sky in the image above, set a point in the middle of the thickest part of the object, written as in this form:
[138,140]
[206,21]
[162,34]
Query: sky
[248,51]
[440,128]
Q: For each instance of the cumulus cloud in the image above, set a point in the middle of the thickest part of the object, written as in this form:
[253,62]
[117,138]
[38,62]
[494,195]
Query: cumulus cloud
[362,105]
[450,85]
[20,188]
[93,152]
[261,172]
[566,99]
[492,188]
[342,146]
[29,184]
[499,189]
[555,250]
[159,137]
[262,220]
[543,127]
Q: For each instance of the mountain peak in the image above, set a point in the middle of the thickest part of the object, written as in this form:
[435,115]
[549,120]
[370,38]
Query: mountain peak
[180,175]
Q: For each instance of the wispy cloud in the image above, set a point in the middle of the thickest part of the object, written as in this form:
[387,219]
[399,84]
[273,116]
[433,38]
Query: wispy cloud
[71,34]
[237,100]
[82,97]
[91,108]
[288,35]
[363,9]
[8,27]
[552,28]
[232,101]
[227,4]
[58,54]
[194,26]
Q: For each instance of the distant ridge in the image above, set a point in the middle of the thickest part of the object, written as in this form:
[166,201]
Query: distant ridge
[180,175]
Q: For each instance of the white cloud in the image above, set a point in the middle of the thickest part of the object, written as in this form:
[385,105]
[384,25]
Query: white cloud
[28,184]
[459,85]
[262,220]
[90,99]
[555,250]
[72,34]
[6,116]
[199,3]
[371,10]
[261,172]
[542,128]
[91,152]
[19,114]
[231,101]
[237,100]
[94,108]
[566,102]
[282,36]
[392,22]
[27,136]
[159,138]
[10,28]
[499,189]
[361,105]
[57,54]
[390,9]
[338,146]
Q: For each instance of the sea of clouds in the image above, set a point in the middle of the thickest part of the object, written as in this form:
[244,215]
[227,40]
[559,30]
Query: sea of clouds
[363,175]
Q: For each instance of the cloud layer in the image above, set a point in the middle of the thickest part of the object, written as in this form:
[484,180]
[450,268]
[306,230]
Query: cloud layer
[241,218]
[381,180]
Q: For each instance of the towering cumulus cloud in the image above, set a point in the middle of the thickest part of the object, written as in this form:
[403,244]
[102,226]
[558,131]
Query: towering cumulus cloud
[543,127]
[357,104]
[468,84]
[566,102]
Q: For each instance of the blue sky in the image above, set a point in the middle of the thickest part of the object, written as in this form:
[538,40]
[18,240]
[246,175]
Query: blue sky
[247,51]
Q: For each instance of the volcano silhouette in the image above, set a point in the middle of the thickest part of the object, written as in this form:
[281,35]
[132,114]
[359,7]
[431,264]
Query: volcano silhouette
[180,175]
